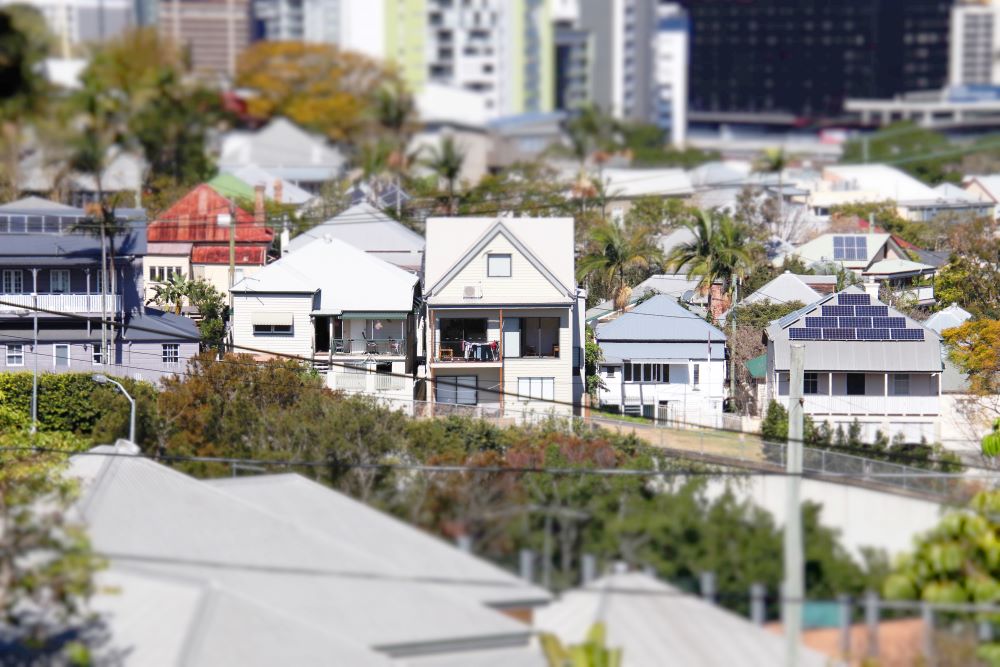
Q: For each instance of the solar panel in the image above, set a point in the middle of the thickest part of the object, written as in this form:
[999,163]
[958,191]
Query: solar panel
[854,299]
[872,311]
[850,248]
[889,322]
[838,311]
[875,334]
[907,334]
[805,333]
[856,322]
[821,322]
[838,334]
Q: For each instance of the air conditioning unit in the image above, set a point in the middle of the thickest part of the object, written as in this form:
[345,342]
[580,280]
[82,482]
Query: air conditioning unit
[473,292]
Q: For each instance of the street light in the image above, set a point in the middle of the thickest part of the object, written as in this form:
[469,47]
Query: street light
[104,379]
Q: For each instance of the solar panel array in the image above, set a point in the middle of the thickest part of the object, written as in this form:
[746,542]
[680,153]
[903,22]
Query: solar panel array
[855,318]
[850,248]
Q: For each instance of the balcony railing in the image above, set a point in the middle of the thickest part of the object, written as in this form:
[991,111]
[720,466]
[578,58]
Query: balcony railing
[921,295]
[378,346]
[468,351]
[368,382]
[820,404]
[62,303]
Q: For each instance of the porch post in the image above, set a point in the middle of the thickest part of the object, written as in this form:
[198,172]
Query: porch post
[829,392]
[500,348]
[329,338]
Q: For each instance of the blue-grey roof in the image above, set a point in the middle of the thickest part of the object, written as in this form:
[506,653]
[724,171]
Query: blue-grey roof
[659,319]
[159,325]
[660,353]
[952,316]
[33,229]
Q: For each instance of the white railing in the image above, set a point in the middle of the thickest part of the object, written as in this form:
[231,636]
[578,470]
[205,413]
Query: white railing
[62,303]
[350,381]
[370,383]
[814,404]
[920,294]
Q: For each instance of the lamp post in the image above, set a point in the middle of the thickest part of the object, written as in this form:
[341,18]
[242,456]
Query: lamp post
[104,379]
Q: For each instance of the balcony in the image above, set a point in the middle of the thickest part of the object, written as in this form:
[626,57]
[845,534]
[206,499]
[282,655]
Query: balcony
[368,383]
[457,351]
[61,303]
[374,346]
[869,405]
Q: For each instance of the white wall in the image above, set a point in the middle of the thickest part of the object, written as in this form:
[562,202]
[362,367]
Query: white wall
[300,342]
[218,274]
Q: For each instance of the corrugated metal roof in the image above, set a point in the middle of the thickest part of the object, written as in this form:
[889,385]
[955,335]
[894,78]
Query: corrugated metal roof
[656,624]
[219,254]
[364,227]
[785,288]
[659,318]
[194,217]
[952,316]
[159,325]
[661,352]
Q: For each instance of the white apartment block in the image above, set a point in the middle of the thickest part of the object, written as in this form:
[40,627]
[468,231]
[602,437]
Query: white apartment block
[975,42]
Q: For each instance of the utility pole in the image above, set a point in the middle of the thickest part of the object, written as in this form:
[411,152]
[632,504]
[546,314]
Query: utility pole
[794,574]
[34,375]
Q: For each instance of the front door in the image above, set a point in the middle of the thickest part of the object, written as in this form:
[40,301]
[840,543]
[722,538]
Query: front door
[855,384]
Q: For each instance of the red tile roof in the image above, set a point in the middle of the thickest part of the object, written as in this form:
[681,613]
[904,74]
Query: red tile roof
[219,254]
[193,218]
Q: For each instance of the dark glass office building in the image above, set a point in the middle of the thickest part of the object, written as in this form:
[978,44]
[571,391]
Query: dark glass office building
[796,61]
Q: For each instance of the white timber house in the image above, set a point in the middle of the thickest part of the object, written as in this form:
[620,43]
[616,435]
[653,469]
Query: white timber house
[504,315]
[349,313]
[663,362]
[864,361]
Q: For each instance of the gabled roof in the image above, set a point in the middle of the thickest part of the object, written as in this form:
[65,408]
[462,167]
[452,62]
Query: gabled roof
[948,318]
[285,149]
[159,325]
[366,228]
[990,183]
[855,355]
[785,288]
[346,278]
[232,187]
[550,251]
[194,218]
[413,551]
[630,183]
[675,285]
[659,319]
[651,620]
[245,255]
[892,267]
[888,182]
[143,514]
[253,175]
[37,204]
[820,249]
[953,192]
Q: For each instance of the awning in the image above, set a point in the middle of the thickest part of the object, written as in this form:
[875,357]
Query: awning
[277,319]
[374,315]
[758,367]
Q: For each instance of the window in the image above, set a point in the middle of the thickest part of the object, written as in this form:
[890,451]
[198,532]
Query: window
[536,388]
[901,384]
[170,353]
[539,336]
[855,384]
[459,390]
[59,281]
[610,371]
[646,372]
[810,383]
[272,330]
[60,355]
[498,266]
[96,357]
[696,375]
[15,355]
[13,281]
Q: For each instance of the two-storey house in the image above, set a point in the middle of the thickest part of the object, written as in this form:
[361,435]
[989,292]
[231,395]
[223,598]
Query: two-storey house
[662,361]
[351,314]
[50,259]
[864,361]
[504,315]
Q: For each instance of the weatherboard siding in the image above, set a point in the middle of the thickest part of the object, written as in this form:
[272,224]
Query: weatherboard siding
[525,285]
[300,342]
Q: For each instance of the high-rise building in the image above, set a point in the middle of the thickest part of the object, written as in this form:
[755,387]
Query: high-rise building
[639,71]
[975,42]
[214,32]
[76,22]
[573,57]
[792,62]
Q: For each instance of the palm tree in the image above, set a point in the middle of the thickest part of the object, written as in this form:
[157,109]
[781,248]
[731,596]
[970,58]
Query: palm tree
[774,161]
[171,294]
[721,251]
[446,162]
[616,250]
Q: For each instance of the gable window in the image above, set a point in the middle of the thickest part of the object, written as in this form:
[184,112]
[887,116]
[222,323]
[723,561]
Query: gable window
[60,355]
[59,281]
[536,388]
[855,384]
[498,266]
[901,384]
[170,353]
[810,383]
[15,355]
[13,281]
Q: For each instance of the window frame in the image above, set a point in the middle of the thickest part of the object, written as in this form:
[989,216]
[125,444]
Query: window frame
[96,355]
[896,378]
[19,353]
[272,329]
[168,350]
[810,378]
[452,383]
[52,280]
[696,375]
[544,385]
[55,355]
[499,256]
[12,274]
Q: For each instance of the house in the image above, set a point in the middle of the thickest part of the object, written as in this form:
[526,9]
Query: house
[522,138]
[285,150]
[622,186]
[50,256]
[655,623]
[787,288]
[348,311]
[985,188]
[504,314]
[948,318]
[662,361]
[369,229]
[277,189]
[864,361]
[121,180]
[196,227]
[679,286]
[461,115]
[261,571]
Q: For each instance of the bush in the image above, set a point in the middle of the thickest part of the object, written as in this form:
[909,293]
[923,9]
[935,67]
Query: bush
[774,428]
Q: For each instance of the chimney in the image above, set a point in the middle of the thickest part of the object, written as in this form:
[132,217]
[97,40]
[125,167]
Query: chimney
[259,216]
[278,191]
[284,239]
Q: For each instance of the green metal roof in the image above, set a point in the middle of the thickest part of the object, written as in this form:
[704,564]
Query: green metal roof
[228,185]
[758,367]
[374,315]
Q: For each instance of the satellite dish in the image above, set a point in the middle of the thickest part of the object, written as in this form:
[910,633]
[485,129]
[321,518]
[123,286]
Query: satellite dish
[688,296]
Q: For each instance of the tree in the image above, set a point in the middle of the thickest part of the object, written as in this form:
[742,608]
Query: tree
[318,86]
[46,563]
[592,359]
[530,189]
[745,342]
[720,252]
[612,252]
[446,160]
[775,161]
[659,214]
[975,348]
[593,652]
[956,562]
